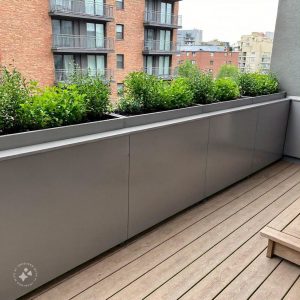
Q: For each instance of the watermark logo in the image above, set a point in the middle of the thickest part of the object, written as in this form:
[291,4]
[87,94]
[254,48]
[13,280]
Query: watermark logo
[25,274]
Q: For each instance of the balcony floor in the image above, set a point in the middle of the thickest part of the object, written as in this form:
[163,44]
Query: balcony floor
[211,251]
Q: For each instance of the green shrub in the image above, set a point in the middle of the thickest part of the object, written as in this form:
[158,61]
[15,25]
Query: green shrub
[53,107]
[142,93]
[256,84]
[96,94]
[14,91]
[201,84]
[177,94]
[229,71]
[226,89]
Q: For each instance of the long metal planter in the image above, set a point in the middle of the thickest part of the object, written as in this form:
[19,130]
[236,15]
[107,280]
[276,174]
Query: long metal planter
[64,201]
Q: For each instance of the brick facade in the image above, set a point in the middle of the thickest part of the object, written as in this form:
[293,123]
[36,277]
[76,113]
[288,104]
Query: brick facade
[25,38]
[209,61]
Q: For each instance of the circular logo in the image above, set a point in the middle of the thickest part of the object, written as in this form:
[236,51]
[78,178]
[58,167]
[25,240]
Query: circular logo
[25,274]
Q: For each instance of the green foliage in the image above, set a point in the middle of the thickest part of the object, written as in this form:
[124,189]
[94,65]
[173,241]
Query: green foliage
[96,94]
[255,84]
[177,94]
[14,90]
[229,71]
[201,84]
[226,89]
[53,107]
[146,93]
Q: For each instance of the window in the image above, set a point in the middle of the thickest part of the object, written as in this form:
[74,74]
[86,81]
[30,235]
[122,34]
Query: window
[164,40]
[229,62]
[64,66]
[188,54]
[211,54]
[95,33]
[120,4]
[193,53]
[225,54]
[120,32]
[93,7]
[120,89]
[163,65]
[166,13]
[96,65]
[120,61]
[211,62]
[193,62]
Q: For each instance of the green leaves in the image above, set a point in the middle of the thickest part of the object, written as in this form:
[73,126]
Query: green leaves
[255,84]
[226,89]
[146,93]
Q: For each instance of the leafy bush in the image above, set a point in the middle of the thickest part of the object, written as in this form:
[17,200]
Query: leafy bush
[146,93]
[142,93]
[96,94]
[226,89]
[201,84]
[229,71]
[53,107]
[255,84]
[14,90]
[177,94]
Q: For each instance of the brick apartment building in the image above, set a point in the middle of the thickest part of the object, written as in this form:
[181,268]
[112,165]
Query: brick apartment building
[44,39]
[208,58]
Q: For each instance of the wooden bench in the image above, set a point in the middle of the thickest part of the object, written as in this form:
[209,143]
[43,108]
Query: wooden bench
[284,234]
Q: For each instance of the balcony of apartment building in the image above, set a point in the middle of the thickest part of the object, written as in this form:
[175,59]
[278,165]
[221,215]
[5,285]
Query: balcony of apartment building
[197,203]
[68,43]
[162,19]
[95,10]
[165,73]
[159,47]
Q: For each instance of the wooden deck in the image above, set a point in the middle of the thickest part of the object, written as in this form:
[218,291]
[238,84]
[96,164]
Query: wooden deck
[211,251]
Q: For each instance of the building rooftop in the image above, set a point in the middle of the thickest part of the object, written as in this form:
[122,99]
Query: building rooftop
[205,48]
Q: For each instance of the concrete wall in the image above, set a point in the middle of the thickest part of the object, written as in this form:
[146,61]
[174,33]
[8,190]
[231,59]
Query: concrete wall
[286,49]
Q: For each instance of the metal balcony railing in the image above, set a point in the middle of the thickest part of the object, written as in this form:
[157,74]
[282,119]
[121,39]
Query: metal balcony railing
[64,75]
[86,8]
[162,19]
[163,73]
[161,46]
[65,41]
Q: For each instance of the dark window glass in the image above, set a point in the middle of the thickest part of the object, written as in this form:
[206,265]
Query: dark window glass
[120,4]
[120,61]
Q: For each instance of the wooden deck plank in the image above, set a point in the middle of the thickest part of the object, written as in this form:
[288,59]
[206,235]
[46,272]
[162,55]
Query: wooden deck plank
[183,281]
[128,274]
[154,278]
[286,217]
[294,292]
[250,279]
[114,262]
[294,227]
[278,283]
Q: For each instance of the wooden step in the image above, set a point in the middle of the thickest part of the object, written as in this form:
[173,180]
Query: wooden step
[284,234]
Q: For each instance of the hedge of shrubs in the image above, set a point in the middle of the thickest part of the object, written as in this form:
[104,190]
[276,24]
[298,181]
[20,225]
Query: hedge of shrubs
[24,106]
[146,93]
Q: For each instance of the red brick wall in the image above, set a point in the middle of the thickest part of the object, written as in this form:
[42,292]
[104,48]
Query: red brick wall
[203,59]
[132,17]
[25,38]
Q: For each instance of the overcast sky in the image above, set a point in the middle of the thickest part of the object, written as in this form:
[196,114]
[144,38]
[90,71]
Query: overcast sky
[227,20]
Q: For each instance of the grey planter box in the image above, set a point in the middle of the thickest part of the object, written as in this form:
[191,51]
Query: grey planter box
[68,194]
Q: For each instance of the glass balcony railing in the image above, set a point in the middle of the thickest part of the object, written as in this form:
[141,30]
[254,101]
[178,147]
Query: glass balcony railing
[161,19]
[161,46]
[77,42]
[163,72]
[81,8]
[64,75]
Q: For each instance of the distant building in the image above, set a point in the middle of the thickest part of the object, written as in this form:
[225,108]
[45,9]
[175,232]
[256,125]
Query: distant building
[190,37]
[208,58]
[255,52]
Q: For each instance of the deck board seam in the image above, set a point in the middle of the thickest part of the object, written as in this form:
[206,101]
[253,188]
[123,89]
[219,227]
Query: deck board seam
[209,231]
[256,186]
[257,233]
[291,287]
[209,248]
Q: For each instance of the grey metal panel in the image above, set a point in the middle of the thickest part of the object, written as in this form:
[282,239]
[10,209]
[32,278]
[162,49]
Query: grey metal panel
[226,105]
[167,171]
[230,149]
[163,116]
[270,136]
[267,98]
[286,46]
[61,208]
[59,133]
[292,146]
